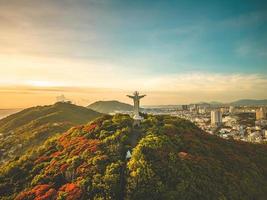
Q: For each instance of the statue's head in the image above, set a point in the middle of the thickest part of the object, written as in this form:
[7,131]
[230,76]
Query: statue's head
[136,93]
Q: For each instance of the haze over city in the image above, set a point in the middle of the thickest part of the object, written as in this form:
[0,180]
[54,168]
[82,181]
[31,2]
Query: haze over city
[176,52]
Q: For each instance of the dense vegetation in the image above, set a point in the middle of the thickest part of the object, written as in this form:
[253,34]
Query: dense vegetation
[110,106]
[171,159]
[31,127]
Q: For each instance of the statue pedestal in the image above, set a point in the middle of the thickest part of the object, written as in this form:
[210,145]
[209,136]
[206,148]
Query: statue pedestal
[137,120]
[137,117]
[136,123]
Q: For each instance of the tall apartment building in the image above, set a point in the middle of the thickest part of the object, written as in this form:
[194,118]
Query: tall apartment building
[216,118]
[260,114]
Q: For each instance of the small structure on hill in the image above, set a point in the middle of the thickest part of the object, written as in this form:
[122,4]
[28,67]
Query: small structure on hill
[128,154]
[136,99]
[62,99]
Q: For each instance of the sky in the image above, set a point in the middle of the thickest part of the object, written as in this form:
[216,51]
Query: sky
[176,52]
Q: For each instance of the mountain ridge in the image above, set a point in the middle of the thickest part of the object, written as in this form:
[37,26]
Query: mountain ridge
[110,106]
[240,102]
[244,102]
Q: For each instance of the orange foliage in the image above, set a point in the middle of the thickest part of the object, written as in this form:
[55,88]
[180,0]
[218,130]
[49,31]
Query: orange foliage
[72,146]
[39,192]
[64,167]
[72,190]
[56,154]
[76,145]
[41,189]
[23,195]
[42,159]
[50,194]
[89,128]
[51,166]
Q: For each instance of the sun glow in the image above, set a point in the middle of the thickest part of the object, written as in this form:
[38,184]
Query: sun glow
[40,83]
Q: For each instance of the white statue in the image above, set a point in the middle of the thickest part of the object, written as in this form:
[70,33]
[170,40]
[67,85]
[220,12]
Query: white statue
[136,98]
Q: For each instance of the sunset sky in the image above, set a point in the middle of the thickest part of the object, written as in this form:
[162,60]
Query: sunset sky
[174,51]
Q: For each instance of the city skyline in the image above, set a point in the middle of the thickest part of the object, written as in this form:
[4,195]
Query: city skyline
[177,52]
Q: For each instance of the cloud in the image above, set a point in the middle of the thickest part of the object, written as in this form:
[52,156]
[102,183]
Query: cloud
[218,85]
[209,82]
[52,28]
[166,89]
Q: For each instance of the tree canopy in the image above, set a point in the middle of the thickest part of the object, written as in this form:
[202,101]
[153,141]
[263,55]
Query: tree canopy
[171,159]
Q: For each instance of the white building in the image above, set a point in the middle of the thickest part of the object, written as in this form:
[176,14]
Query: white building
[231,109]
[202,110]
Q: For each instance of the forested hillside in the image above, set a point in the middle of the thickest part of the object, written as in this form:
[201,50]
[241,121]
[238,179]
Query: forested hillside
[171,159]
[31,127]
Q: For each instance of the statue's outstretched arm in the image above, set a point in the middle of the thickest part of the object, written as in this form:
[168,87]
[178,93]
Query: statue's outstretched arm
[141,96]
[130,96]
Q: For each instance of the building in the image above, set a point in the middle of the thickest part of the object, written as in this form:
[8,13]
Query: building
[202,110]
[242,131]
[216,118]
[231,109]
[184,107]
[260,114]
[62,99]
[193,108]
[223,110]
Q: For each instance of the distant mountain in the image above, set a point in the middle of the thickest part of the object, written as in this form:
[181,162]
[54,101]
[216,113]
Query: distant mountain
[31,127]
[110,106]
[212,103]
[6,112]
[215,103]
[170,159]
[249,102]
[241,102]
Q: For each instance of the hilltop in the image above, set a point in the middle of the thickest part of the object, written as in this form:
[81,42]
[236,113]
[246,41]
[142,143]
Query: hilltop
[110,106]
[31,127]
[171,159]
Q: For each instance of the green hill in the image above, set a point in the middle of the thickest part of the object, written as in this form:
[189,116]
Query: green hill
[110,106]
[171,159]
[31,127]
